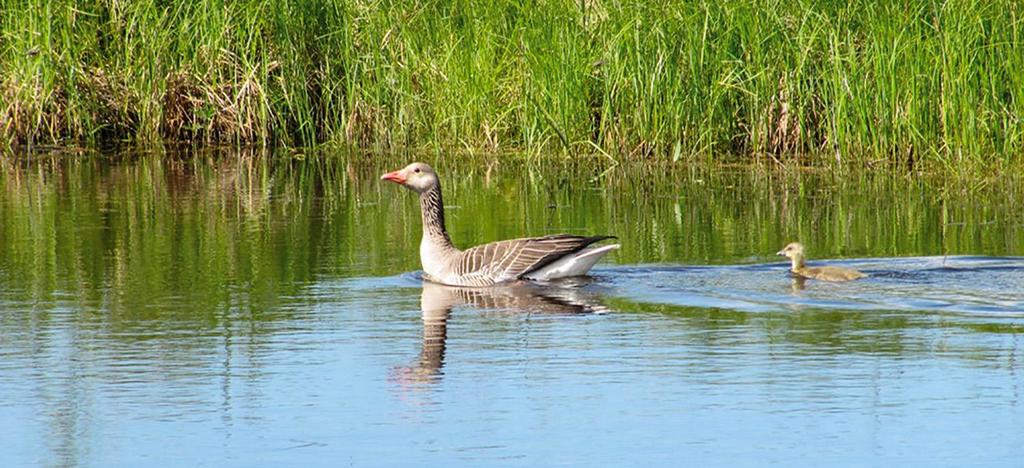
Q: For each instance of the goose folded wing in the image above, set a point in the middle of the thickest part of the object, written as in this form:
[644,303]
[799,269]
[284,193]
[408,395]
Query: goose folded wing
[511,259]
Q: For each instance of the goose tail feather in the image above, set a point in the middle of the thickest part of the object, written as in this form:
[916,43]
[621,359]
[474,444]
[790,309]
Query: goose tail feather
[574,264]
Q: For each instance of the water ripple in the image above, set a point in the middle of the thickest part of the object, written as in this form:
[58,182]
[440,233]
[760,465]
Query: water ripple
[973,285]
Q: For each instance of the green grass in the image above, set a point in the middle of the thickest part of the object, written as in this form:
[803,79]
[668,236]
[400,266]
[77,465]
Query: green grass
[906,84]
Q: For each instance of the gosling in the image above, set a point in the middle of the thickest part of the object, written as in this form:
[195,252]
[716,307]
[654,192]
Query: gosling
[795,252]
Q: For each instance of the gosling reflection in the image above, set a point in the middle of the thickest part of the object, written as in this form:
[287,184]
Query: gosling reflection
[437,302]
[799,283]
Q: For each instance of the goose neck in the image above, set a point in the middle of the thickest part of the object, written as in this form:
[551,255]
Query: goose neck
[432,209]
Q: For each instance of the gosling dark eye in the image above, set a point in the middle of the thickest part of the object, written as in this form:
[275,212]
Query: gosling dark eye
[417,170]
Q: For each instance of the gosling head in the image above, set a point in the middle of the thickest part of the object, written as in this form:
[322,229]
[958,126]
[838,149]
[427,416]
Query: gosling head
[418,177]
[793,250]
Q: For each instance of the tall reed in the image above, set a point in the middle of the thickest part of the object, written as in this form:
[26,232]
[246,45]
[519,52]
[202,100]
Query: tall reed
[824,81]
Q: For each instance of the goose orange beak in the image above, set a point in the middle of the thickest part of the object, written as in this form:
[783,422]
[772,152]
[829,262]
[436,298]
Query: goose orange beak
[396,177]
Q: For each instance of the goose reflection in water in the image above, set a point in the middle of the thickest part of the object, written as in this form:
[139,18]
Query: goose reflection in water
[521,297]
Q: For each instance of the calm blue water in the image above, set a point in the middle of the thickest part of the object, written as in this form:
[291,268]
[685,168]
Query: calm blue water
[190,322]
[638,365]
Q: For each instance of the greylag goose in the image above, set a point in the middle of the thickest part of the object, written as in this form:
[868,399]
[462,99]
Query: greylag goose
[795,252]
[533,258]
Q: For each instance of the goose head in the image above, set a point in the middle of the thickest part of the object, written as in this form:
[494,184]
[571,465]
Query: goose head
[793,250]
[418,177]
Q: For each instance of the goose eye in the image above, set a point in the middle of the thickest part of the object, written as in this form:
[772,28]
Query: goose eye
[417,170]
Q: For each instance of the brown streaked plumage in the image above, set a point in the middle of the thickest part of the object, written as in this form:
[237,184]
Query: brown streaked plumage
[542,258]
[795,251]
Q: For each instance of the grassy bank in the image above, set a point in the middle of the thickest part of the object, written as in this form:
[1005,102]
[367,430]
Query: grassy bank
[930,82]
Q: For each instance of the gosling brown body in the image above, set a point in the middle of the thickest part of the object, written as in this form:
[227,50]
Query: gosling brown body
[795,252]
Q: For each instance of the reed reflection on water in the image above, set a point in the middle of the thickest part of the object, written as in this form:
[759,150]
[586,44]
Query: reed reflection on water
[248,309]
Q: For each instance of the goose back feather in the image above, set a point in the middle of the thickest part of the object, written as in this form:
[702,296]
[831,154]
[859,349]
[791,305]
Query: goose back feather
[513,259]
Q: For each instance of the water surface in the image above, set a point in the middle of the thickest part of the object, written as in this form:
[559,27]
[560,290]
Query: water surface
[237,310]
